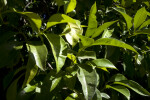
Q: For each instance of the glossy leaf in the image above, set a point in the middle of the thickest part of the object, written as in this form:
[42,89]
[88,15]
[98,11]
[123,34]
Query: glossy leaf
[102,63]
[31,71]
[39,53]
[70,6]
[72,36]
[30,88]
[107,33]
[113,42]
[139,17]
[34,20]
[59,49]
[87,55]
[97,95]
[121,89]
[58,19]
[72,96]
[101,28]
[104,95]
[92,22]
[88,79]
[134,86]
[127,18]
[146,23]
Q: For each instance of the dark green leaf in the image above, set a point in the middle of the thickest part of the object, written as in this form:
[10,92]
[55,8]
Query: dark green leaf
[97,95]
[123,90]
[134,86]
[117,77]
[87,55]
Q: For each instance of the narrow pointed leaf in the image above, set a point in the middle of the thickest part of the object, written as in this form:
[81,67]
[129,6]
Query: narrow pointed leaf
[145,31]
[139,17]
[101,28]
[58,19]
[121,89]
[31,71]
[134,86]
[113,42]
[127,18]
[104,95]
[92,22]
[102,63]
[70,6]
[39,53]
[97,95]
[146,23]
[88,79]
[59,49]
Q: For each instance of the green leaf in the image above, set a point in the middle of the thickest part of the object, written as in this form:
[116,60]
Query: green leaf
[55,82]
[145,31]
[59,49]
[127,18]
[70,6]
[121,89]
[146,23]
[12,89]
[60,2]
[30,88]
[134,86]
[92,22]
[72,96]
[31,71]
[70,81]
[38,53]
[117,77]
[139,17]
[33,19]
[88,79]
[87,55]
[102,63]
[58,19]
[86,41]
[101,28]
[107,33]
[104,95]
[113,42]
[72,36]
[97,95]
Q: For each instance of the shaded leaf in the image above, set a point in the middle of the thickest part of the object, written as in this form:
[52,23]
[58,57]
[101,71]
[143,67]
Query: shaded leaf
[104,95]
[72,96]
[121,89]
[58,19]
[117,77]
[92,22]
[88,79]
[113,42]
[139,17]
[134,86]
[145,31]
[146,23]
[101,28]
[87,55]
[97,95]
[59,49]
[30,88]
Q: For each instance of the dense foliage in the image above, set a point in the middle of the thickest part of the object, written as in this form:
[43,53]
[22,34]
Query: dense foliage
[74,49]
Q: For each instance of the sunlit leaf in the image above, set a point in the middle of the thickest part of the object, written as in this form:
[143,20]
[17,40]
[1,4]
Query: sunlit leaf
[139,17]
[70,6]
[58,19]
[102,63]
[101,28]
[134,86]
[87,55]
[121,89]
[86,41]
[107,33]
[30,88]
[59,49]
[92,22]
[104,95]
[88,79]
[97,95]
[146,23]
[127,18]
[38,53]
[113,42]
[117,77]
[72,96]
